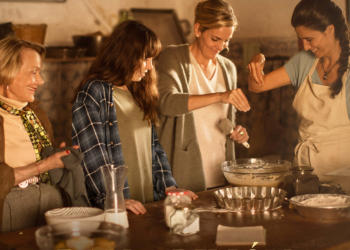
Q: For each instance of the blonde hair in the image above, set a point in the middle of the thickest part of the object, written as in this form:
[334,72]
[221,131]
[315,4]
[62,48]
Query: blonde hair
[10,57]
[213,14]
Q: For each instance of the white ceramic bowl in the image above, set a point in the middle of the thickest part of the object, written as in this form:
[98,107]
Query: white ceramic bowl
[68,214]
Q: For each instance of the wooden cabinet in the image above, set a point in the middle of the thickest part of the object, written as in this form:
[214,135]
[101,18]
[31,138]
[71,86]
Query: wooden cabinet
[61,78]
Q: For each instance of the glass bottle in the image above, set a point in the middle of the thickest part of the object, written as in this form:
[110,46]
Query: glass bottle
[301,180]
[174,197]
[184,221]
[114,178]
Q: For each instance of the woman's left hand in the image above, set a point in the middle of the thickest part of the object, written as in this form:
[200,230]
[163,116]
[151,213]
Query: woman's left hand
[237,98]
[239,134]
[191,194]
[63,144]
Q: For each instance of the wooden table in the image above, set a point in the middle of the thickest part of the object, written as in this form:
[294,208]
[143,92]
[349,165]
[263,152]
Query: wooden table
[285,229]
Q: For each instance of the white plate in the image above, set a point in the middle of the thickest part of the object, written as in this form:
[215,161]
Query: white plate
[67,214]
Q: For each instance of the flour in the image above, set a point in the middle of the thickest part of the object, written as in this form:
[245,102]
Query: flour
[212,209]
[326,201]
[266,180]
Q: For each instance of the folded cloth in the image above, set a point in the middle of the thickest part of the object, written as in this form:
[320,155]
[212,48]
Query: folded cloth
[71,178]
[240,235]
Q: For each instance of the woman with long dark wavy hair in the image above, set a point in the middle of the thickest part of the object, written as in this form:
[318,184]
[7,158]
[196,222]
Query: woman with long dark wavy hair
[320,73]
[114,114]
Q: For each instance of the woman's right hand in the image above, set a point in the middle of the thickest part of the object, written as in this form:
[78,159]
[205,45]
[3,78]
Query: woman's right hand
[135,206]
[237,98]
[256,67]
[54,161]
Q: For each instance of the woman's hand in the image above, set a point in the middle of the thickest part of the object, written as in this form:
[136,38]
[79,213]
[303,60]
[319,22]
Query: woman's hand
[239,134]
[54,161]
[256,67]
[237,98]
[135,206]
[191,194]
[63,144]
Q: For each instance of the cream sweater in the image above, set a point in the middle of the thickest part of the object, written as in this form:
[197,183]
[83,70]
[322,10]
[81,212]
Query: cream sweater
[19,150]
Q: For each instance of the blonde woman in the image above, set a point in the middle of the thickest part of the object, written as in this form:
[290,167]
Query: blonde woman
[24,131]
[198,88]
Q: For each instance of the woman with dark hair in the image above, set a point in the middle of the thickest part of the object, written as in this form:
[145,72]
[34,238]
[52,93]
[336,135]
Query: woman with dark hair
[121,84]
[320,73]
[198,89]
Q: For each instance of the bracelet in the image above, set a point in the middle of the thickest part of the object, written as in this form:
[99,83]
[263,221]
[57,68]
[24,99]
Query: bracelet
[37,167]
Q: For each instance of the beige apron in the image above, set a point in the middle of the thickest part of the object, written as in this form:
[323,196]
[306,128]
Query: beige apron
[324,132]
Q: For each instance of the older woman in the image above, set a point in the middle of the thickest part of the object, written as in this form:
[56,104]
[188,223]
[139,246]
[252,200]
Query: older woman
[321,75]
[198,88]
[24,131]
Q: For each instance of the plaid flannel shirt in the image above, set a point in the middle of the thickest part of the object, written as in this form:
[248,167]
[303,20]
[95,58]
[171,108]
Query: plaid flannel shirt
[95,130]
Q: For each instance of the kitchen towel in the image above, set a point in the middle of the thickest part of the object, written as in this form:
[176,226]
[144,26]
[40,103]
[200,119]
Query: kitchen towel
[71,178]
[240,235]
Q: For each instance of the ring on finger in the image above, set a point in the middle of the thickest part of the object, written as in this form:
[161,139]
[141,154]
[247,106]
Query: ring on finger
[241,133]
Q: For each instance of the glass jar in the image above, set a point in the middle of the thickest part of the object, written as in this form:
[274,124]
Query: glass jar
[114,179]
[301,180]
[174,197]
[184,221]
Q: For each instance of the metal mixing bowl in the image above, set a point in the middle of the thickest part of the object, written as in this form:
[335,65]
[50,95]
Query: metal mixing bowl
[249,199]
[256,172]
[322,211]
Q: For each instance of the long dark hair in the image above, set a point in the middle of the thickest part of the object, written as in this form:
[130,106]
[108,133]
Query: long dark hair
[318,15]
[121,55]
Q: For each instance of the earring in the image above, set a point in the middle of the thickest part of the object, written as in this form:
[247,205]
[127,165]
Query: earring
[7,86]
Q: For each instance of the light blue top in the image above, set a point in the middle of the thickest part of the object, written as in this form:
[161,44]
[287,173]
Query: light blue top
[299,66]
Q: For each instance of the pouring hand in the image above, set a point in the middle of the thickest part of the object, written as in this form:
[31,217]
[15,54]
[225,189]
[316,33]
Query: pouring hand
[135,206]
[240,134]
[237,98]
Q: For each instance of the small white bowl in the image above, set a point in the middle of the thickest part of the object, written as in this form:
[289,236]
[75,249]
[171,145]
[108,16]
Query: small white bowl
[68,214]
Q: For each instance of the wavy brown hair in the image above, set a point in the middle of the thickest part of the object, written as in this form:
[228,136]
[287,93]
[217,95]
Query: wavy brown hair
[318,15]
[121,56]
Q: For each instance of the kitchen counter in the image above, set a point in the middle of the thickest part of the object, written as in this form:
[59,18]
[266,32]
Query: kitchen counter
[285,229]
